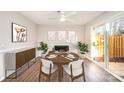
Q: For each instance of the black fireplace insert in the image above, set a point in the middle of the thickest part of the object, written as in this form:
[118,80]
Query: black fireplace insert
[59,48]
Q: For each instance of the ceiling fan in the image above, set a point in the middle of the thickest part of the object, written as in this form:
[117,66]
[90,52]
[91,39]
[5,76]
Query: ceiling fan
[64,16]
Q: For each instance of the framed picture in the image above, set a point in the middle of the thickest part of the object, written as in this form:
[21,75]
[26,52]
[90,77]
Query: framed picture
[19,33]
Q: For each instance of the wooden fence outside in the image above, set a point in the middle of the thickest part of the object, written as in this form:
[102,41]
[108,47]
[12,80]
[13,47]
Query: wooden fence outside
[116,47]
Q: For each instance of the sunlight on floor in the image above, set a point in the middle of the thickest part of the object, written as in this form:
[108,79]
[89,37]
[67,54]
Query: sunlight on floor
[116,67]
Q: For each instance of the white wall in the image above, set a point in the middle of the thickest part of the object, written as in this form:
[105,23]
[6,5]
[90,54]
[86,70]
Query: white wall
[6,18]
[33,36]
[42,35]
[106,17]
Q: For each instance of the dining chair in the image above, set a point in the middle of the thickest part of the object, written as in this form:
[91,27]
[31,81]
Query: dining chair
[75,69]
[47,68]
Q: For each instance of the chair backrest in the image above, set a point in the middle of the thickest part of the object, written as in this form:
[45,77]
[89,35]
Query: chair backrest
[46,63]
[76,64]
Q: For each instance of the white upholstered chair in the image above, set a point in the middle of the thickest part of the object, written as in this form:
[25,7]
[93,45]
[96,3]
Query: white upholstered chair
[75,69]
[47,68]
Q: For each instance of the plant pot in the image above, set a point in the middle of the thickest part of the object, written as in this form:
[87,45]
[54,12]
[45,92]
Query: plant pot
[83,56]
[122,34]
[43,55]
[82,52]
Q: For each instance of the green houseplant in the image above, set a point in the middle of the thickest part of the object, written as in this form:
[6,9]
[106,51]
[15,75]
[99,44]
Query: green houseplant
[122,32]
[43,47]
[83,47]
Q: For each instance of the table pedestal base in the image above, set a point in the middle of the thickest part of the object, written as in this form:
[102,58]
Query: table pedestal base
[60,72]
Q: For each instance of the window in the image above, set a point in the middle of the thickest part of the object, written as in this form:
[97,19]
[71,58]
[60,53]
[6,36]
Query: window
[71,36]
[65,36]
[61,35]
[51,35]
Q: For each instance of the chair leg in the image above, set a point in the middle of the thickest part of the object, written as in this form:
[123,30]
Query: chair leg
[40,71]
[83,72]
[39,76]
[84,78]
[71,73]
[84,75]
[62,72]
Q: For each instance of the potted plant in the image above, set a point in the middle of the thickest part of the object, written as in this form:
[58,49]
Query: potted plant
[121,30]
[43,47]
[83,47]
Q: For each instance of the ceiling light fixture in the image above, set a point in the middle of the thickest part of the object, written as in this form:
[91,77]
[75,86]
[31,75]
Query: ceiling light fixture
[62,19]
[62,12]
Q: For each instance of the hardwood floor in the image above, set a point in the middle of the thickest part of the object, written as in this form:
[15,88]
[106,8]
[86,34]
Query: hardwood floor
[116,67]
[93,73]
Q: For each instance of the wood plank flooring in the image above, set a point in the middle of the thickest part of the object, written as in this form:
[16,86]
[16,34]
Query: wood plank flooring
[93,73]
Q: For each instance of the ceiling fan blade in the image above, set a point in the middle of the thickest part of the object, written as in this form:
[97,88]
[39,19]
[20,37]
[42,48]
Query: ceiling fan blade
[52,18]
[70,14]
[69,20]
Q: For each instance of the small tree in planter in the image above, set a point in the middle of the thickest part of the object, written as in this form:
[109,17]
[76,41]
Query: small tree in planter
[43,47]
[83,47]
[122,32]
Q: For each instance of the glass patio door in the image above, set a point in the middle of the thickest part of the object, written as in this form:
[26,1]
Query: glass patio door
[98,46]
[108,46]
[116,47]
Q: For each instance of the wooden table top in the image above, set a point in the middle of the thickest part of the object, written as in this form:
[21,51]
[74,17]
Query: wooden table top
[62,58]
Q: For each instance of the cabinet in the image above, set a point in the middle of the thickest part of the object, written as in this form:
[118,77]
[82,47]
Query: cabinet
[16,59]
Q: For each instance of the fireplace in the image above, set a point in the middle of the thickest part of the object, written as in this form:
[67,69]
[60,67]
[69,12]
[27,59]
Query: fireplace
[63,48]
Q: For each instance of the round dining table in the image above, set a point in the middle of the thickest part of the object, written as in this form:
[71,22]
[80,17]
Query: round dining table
[61,59]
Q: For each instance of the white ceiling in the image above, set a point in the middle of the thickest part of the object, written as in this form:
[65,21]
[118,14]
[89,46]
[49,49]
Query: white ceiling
[53,17]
